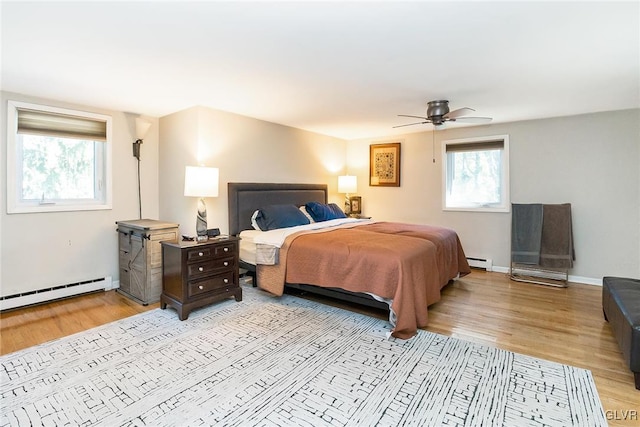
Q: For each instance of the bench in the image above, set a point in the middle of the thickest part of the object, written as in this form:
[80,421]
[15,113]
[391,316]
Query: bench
[621,306]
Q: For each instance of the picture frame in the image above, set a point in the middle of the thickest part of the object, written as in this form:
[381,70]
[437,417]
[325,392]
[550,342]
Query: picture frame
[356,205]
[384,165]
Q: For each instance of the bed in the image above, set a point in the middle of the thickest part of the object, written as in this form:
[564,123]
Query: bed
[396,266]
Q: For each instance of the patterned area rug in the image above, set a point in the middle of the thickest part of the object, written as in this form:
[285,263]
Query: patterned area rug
[281,362]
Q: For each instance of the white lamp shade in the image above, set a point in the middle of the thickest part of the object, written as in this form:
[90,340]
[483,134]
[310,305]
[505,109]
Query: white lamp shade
[200,181]
[347,184]
[142,127]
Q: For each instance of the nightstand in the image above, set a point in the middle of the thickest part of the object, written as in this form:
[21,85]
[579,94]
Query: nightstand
[140,259]
[195,274]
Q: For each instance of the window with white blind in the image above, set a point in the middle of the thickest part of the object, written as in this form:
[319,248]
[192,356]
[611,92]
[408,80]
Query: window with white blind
[57,159]
[476,174]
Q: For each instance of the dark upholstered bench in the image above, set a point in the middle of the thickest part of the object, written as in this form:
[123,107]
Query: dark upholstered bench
[621,306]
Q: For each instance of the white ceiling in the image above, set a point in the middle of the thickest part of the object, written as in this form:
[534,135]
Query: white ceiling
[345,69]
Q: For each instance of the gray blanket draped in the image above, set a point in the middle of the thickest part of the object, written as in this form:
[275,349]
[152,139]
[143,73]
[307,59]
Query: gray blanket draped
[556,247]
[526,233]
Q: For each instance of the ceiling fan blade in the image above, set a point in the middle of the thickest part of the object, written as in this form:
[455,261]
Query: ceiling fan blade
[411,124]
[415,117]
[473,119]
[459,112]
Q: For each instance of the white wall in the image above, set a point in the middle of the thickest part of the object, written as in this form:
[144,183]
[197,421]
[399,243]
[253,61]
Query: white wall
[40,250]
[245,150]
[590,161]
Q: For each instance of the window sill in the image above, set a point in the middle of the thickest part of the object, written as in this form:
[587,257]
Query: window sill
[44,208]
[478,209]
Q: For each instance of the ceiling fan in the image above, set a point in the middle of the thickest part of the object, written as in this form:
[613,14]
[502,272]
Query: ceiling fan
[438,113]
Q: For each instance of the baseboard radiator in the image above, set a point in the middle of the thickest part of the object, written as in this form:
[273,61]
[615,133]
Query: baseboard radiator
[54,293]
[483,263]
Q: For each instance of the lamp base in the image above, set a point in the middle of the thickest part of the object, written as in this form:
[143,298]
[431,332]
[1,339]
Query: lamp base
[201,221]
[347,204]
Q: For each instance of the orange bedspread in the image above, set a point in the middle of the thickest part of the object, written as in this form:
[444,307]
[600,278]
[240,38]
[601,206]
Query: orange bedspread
[451,257]
[402,262]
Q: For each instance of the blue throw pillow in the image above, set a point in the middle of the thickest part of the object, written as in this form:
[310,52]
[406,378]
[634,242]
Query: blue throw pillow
[280,216]
[321,212]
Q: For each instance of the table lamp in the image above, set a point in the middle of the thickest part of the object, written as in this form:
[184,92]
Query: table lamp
[200,181]
[347,184]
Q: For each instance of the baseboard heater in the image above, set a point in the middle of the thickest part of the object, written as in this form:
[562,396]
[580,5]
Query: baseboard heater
[54,293]
[483,263]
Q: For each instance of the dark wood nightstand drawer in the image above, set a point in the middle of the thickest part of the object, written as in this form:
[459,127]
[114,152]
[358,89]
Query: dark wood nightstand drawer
[200,254]
[222,281]
[205,267]
[226,249]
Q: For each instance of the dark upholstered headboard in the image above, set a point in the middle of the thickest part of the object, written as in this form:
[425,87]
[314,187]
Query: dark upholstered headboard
[246,197]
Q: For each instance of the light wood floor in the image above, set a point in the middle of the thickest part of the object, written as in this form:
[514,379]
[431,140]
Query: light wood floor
[564,325]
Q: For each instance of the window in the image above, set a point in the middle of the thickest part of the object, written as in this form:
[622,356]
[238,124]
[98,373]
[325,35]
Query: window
[57,159]
[476,174]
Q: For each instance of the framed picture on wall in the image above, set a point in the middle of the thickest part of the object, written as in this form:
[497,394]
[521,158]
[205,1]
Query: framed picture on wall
[356,205]
[384,165]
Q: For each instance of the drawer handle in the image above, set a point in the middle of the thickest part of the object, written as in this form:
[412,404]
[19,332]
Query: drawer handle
[201,287]
[200,268]
[200,254]
[226,263]
[226,280]
[226,249]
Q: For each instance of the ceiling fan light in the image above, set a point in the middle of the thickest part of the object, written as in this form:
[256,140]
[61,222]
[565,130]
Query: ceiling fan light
[437,108]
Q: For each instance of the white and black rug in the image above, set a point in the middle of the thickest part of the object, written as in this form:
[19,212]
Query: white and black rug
[282,362]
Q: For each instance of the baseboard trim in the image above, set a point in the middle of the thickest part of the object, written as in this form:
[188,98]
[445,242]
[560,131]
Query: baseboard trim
[585,280]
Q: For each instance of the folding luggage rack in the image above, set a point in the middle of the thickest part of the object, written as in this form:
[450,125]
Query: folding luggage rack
[535,274]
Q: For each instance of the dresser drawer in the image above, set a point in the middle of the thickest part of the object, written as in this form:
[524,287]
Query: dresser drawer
[206,267]
[225,250]
[200,254]
[222,281]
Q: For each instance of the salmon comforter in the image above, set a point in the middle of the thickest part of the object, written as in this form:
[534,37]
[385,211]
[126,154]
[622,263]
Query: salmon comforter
[406,263]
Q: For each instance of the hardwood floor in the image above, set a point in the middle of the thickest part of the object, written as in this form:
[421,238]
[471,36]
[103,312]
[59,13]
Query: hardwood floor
[564,325]
[26,327]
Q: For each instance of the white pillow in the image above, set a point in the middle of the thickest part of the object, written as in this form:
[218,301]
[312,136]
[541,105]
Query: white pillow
[254,224]
[303,208]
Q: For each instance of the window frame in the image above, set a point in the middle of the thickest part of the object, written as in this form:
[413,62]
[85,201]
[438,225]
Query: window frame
[102,163]
[505,205]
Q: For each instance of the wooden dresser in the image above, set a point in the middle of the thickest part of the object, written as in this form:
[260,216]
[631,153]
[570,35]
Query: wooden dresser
[195,274]
[141,257]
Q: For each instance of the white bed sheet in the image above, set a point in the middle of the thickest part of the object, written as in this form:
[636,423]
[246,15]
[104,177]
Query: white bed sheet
[248,246]
[257,253]
[277,237]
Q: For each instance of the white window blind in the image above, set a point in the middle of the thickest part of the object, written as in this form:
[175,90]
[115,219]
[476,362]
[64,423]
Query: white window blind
[64,126]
